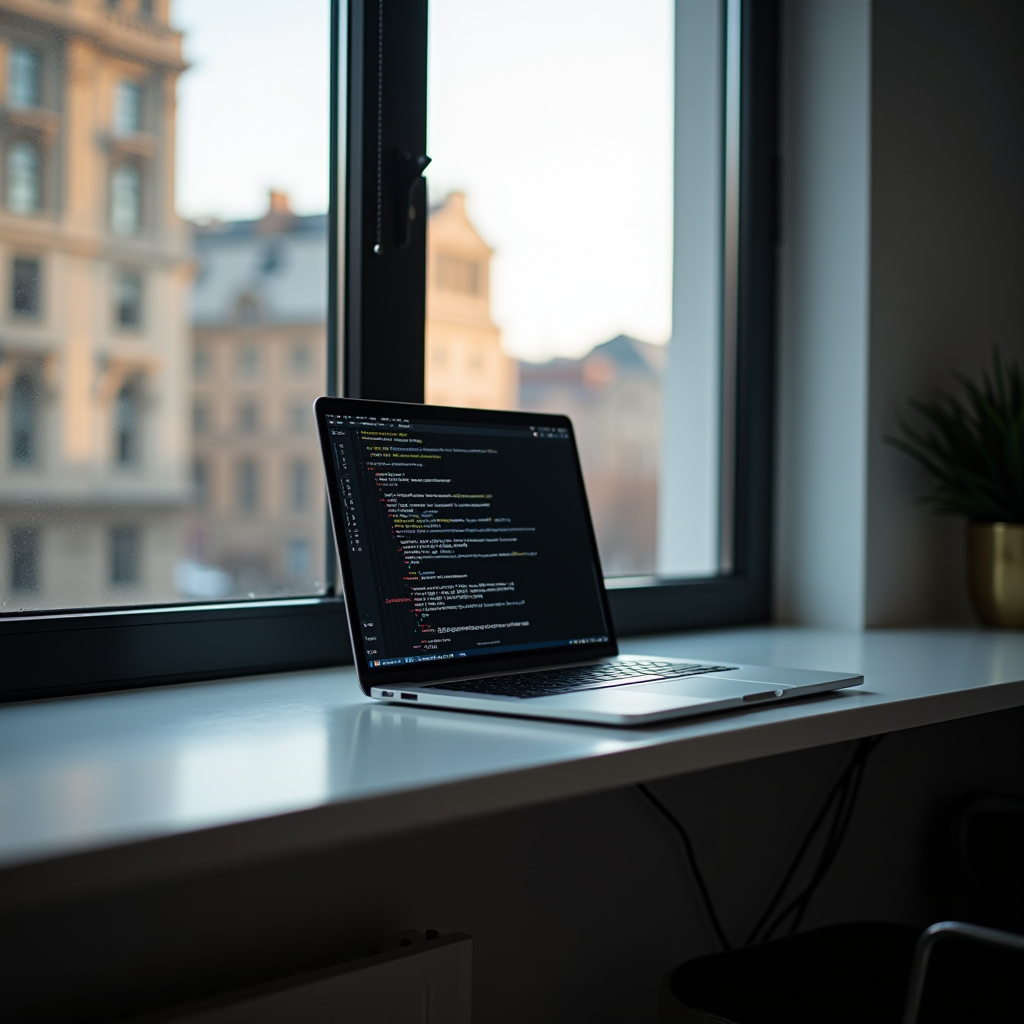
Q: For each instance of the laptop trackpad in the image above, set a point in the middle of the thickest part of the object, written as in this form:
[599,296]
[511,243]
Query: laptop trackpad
[707,688]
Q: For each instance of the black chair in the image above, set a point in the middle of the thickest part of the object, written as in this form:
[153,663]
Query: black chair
[855,973]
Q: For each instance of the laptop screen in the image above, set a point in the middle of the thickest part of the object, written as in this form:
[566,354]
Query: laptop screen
[463,540]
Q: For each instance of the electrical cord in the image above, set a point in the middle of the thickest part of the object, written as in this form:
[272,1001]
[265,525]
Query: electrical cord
[691,856]
[846,793]
[837,809]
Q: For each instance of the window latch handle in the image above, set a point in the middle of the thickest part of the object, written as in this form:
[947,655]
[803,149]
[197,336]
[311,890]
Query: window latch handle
[409,173]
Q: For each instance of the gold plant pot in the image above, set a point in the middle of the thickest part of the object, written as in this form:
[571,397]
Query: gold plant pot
[995,571]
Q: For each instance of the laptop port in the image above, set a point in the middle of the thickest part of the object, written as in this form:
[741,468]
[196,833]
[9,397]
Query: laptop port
[387,693]
[409,696]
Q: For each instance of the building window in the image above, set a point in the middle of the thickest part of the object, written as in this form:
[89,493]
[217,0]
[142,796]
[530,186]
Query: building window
[300,416]
[200,418]
[298,481]
[248,417]
[248,309]
[146,9]
[301,361]
[26,273]
[24,184]
[24,78]
[125,200]
[24,559]
[200,484]
[24,411]
[201,363]
[128,308]
[249,363]
[127,108]
[128,425]
[124,556]
[297,559]
[455,274]
[248,486]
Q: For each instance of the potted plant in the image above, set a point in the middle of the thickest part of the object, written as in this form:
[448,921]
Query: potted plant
[972,446]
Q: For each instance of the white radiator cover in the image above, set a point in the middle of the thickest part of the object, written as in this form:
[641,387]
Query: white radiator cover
[428,982]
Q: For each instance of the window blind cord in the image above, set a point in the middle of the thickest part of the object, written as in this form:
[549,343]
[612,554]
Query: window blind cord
[378,247]
[691,856]
[837,809]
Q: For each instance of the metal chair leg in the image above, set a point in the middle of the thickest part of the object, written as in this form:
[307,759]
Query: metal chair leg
[928,941]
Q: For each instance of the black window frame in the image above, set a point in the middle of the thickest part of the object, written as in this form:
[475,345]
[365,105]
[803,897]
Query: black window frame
[56,652]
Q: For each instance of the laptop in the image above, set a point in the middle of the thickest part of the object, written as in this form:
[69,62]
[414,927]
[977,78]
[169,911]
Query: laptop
[472,580]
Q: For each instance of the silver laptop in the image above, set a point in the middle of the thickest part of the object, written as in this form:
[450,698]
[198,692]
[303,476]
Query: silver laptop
[472,580]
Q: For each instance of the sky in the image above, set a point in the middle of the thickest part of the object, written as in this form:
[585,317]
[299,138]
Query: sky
[553,116]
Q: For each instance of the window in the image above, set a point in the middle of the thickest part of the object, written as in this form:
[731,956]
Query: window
[201,483]
[125,200]
[301,362]
[25,286]
[24,185]
[248,486]
[248,417]
[300,417]
[231,230]
[298,478]
[248,363]
[128,425]
[200,363]
[200,418]
[145,9]
[128,309]
[248,309]
[24,419]
[124,556]
[24,559]
[455,274]
[127,108]
[297,558]
[23,82]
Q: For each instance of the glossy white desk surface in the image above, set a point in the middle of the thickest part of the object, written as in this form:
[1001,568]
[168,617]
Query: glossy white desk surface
[119,788]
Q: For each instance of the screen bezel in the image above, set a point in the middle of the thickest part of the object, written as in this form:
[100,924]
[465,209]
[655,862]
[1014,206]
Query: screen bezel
[511,661]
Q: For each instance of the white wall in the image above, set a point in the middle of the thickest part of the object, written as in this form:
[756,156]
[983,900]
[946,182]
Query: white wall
[902,257]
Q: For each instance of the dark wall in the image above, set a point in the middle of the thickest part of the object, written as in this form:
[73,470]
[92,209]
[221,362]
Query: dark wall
[947,262]
[578,907]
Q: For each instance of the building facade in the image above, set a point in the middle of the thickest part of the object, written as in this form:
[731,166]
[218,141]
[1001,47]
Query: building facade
[613,396]
[259,361]
[94,273]
[465,364]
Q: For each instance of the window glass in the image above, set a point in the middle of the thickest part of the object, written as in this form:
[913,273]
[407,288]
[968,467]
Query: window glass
[24,559]
[124,556]
[25,286]
[129,299]
[24,422]
[127,108]
[248,485]
[549,282]
[299,486]
[128,425]
[125,199]
[23,81]
[24,186]
[183,171]
[248,417]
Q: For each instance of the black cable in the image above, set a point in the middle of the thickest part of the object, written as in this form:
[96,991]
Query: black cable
[836,836]
[691,856]
[839,805]
[756,933]
[843,798]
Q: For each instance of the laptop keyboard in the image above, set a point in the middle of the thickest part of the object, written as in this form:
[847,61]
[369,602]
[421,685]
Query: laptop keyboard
[582,677]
